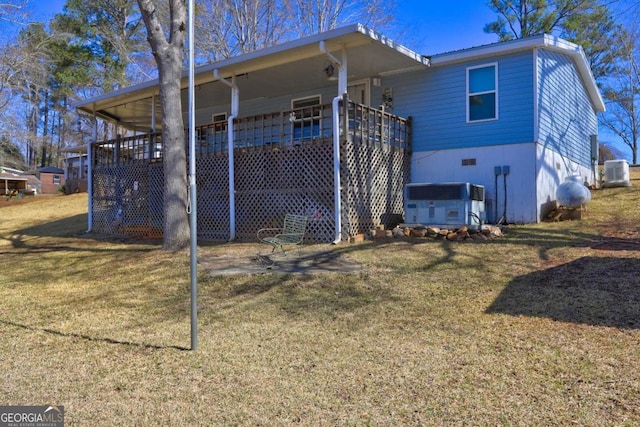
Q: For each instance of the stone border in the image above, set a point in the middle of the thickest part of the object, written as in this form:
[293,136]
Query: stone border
[485,232]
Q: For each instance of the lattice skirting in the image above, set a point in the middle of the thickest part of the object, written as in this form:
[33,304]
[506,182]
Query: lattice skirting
[127,199]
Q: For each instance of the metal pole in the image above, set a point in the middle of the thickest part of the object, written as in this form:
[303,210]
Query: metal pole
[192,187]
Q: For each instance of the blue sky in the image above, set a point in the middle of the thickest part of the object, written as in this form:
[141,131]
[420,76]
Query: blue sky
[441,26]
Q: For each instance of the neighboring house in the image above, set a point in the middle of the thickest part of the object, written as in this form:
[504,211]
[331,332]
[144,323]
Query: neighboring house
[51,179]
[334,125]
[14,179]
[75,169]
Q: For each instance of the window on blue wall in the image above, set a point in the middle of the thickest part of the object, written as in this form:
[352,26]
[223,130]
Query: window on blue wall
[482,93]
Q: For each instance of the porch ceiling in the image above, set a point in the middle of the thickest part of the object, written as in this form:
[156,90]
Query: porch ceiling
[283,69]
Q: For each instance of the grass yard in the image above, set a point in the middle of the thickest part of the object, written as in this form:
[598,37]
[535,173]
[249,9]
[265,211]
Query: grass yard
[539,327]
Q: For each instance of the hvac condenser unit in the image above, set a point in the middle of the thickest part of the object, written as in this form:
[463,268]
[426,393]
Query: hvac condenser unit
[451,204]
[616,173]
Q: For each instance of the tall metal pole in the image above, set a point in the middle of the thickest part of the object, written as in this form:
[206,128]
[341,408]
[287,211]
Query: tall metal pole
[192,187]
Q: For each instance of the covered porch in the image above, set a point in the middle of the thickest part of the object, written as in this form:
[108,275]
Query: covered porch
[343,163]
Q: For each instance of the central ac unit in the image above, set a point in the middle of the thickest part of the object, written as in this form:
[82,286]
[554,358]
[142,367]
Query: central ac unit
[451,204]
[616,173]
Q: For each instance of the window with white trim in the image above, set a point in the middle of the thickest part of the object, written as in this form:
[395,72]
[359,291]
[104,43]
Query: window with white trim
[482,93]
[306,117]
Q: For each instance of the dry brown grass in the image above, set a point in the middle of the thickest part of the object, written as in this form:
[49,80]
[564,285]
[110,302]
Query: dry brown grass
[541,327]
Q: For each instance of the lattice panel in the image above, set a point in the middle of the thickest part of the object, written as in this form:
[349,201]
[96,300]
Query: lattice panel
[155,191]
[212,182]
[128,199]
[272,183]
[373,180]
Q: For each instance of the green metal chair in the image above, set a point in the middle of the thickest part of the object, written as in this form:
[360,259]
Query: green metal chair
[290,234]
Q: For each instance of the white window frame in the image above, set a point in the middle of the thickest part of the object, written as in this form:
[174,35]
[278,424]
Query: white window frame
[220,122]
[301,121]
[494,91]
[306,98]
[219,117]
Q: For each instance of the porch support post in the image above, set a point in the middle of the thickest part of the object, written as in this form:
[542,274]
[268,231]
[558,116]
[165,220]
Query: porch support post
[94,137]
[342,73]
[342,89]
[235,107]
[153,114]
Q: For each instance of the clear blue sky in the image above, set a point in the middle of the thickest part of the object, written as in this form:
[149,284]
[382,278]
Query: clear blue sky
[434,26]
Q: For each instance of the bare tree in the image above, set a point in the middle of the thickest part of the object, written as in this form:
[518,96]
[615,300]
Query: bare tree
[622,94]
[167,44]
[13,11]
[608,151]
[227,28]
[24,66]
[316,16]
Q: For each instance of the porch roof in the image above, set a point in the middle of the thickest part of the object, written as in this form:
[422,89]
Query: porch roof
[290,67]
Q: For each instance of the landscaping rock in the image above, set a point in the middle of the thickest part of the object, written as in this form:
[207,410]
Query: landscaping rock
[462,234]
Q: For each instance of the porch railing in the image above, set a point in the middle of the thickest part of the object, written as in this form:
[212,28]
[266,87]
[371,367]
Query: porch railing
[125,150]
[276,130]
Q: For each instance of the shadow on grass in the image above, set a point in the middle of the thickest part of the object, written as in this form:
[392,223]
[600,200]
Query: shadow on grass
[598,291]
[317,296]
[68,227]
[93,339]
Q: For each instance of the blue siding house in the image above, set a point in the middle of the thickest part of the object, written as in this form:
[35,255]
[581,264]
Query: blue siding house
[517,117]
[542,116]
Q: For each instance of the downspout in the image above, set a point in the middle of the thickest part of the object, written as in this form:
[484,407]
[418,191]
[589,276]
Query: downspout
[94,137]
[152,130]
[342,89]
[337,203]
[235,104]
[153,114]
[90,186]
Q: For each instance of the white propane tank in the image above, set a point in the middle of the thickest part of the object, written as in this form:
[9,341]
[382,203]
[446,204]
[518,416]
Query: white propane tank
[573,193]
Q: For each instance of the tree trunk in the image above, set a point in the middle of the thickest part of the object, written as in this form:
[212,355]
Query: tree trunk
[167,52]
[176,221]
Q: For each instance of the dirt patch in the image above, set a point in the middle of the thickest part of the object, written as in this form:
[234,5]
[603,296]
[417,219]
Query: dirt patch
[309,261]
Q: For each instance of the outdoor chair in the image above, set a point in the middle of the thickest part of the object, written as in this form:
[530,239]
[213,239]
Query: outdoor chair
[279,239]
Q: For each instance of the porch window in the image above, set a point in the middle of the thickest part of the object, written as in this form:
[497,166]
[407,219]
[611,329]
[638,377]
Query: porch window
[213,137]
[482,93]
[306,117]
